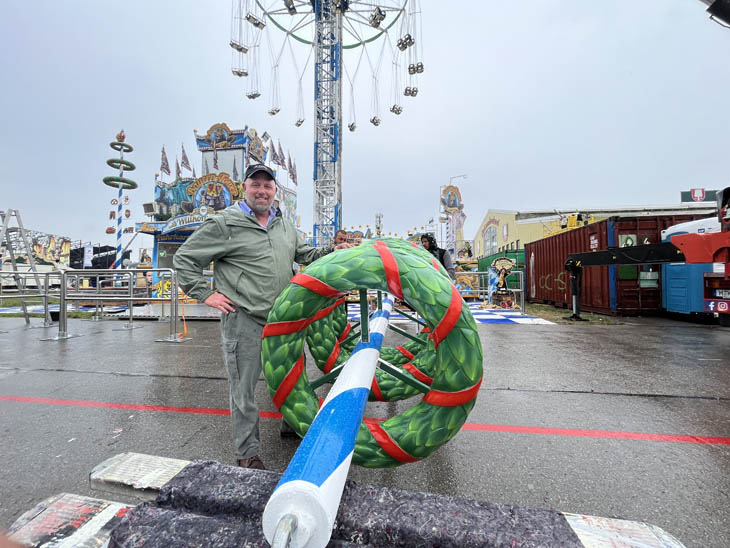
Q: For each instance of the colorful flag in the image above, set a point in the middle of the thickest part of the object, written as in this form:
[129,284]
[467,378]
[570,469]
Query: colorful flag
[272,152]
[235,171]
[294,173]
[185,162]
[178,175]
[288,162]
[215,157]
[164,164]
[282,158]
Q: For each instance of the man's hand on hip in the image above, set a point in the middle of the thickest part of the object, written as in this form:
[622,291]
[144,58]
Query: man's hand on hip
[221,302]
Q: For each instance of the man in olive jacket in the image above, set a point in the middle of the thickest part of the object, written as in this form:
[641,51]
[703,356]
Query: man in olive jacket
[253,248]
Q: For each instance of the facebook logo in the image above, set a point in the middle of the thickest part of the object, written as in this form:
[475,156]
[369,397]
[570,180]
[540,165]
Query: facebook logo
[717,305]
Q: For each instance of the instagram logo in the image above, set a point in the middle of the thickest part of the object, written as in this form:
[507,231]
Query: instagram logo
[721,306]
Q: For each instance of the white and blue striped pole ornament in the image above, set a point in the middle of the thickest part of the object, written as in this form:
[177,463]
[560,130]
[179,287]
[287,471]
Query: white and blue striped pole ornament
[311,487]
[120,182]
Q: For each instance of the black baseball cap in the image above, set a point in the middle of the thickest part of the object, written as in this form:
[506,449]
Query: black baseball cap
[258,168]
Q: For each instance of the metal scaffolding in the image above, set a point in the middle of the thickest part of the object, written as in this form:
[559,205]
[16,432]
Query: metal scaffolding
[328,122]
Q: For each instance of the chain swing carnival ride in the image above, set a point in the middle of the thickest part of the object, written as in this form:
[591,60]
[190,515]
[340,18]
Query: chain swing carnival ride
[339,37]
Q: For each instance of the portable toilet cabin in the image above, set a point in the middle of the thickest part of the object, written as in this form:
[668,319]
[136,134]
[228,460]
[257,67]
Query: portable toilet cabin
[682,284]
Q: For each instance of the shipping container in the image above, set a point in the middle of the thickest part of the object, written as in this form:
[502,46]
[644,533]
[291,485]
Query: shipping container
[626,290]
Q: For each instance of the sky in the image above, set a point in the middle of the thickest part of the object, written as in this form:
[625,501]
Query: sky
[541,104]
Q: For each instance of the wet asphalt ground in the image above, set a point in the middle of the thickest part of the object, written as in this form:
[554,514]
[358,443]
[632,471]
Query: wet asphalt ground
[586,401]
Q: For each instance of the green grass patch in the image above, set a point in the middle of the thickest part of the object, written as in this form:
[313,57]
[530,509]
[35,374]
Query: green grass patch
[6,302]
[79,315]
[558,315]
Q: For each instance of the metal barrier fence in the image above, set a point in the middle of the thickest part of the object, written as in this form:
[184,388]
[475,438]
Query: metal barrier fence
[120,286]
[481,291]
[40,292]
[103,285]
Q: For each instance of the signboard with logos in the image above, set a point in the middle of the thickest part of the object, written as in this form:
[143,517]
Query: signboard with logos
[721,306]
[698,195]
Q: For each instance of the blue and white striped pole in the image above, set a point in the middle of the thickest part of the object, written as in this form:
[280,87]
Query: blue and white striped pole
[311,487]
[118,262]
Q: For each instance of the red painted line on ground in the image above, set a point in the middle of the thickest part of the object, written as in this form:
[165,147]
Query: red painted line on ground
[127,406]
[606,434]
[505,428]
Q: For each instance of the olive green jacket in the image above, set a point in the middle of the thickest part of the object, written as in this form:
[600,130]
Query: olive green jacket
[252,265]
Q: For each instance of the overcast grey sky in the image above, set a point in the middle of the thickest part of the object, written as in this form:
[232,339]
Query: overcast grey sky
[543,104]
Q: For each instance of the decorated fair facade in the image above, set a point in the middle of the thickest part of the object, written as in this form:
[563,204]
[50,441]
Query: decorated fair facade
[49,250]
[182,204]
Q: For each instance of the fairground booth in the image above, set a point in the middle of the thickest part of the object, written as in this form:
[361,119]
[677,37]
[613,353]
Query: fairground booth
[181,205]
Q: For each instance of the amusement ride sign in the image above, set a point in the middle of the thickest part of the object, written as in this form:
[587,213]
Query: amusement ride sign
[698,195]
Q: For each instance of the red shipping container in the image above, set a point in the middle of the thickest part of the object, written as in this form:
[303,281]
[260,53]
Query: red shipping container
[606,289]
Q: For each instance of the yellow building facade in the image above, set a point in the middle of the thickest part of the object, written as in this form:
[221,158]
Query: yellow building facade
[510,230]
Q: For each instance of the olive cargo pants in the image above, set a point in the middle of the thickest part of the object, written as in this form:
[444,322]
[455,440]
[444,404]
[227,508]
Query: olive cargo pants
[241,338]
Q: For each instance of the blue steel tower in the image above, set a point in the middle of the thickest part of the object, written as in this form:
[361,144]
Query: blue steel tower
[328,120]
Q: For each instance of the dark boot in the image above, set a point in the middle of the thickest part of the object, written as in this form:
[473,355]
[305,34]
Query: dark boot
[254,462]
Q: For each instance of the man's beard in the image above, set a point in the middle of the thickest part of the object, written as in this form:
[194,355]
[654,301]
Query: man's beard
[260,208]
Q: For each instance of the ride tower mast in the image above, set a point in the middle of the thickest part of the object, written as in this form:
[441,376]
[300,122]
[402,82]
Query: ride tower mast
[328,120]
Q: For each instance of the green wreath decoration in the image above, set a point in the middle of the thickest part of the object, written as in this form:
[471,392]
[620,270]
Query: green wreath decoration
[116,182]
[121,147]
[116,163]
[311,308]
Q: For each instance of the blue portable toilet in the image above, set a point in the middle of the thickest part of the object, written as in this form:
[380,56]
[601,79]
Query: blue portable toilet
[682,284]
